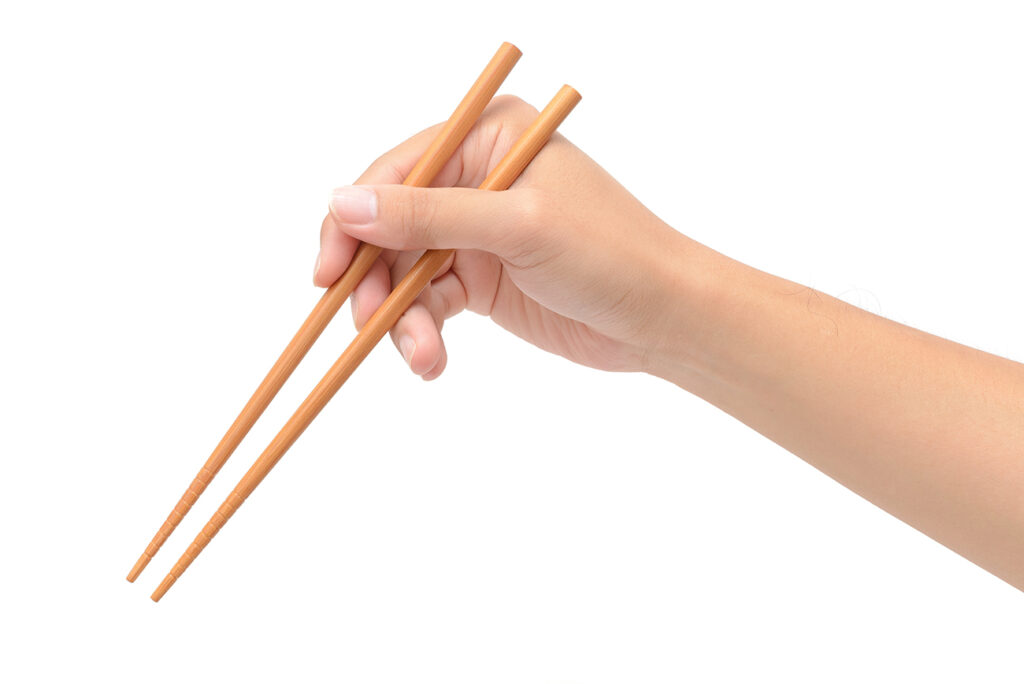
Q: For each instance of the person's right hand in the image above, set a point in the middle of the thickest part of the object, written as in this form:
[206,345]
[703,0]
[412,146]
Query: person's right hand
[566,258]
[925,428]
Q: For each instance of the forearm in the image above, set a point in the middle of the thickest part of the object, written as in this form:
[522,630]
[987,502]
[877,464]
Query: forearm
[925,428]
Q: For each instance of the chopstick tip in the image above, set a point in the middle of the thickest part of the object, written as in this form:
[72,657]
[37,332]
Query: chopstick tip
[162,589]
[140,565]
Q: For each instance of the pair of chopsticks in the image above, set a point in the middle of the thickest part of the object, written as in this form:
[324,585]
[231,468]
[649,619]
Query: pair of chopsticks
[425,269]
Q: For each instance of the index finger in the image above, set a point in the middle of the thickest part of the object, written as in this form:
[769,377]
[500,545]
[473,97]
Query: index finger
[337,248]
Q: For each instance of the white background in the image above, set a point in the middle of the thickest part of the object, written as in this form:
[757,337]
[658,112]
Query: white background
[163,172]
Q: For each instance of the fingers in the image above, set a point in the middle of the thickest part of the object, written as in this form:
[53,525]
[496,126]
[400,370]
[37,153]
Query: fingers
[370,293]
[336,250]
[400,217]
[505,117]
[504,120]
[438,368]
[395,164]
[449,296]
[337,247]
[418,338]
[417,334]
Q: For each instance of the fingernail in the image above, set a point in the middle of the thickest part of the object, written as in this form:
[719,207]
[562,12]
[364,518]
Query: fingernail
[353,204]
[316,267]
[407,346]
[355,312]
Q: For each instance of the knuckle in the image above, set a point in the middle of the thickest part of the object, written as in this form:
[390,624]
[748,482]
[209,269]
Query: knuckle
[385,169]
[418,216]
[532,228]
[532,208]
[509,116]
[514,105]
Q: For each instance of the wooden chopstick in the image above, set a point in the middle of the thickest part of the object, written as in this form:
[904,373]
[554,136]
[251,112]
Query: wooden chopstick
[507,170]
[429,165]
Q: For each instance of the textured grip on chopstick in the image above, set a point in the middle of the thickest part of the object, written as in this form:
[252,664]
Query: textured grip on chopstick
[175,517]
[422,174]
[209,531]
[501,177]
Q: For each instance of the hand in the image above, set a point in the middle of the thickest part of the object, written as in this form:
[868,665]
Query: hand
[925,428]
[566,258]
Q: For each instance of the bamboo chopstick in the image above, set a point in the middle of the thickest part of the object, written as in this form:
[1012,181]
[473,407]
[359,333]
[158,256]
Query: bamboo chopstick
[429,165]
[507,170]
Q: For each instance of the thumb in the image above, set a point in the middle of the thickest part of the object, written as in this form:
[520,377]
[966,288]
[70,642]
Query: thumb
[406,218]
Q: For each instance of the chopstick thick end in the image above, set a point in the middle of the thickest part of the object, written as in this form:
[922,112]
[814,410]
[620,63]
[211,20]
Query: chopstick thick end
[567,97]
[508,47]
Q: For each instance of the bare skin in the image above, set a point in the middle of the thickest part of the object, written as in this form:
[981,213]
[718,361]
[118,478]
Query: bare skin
[927,429]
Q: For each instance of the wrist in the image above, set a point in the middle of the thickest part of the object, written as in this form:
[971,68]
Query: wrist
[693,290]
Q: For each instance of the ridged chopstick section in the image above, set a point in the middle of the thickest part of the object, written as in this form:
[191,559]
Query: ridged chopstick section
[503,175]
[428,166]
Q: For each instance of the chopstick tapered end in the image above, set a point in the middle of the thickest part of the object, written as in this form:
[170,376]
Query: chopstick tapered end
[164,586]
[140,565]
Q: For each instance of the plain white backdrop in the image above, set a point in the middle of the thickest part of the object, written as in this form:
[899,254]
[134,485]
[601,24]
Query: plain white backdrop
[163,172]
